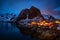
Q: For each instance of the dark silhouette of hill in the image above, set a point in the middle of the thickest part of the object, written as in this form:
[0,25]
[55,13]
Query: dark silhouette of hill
[32,12]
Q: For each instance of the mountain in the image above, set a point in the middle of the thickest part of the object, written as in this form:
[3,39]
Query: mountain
[7,17]
[32,13]
[49,17]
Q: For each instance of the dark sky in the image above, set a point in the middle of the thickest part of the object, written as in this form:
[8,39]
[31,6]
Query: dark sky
[48,7]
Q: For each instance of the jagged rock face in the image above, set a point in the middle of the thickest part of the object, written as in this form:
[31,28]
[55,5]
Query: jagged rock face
[32,12]
[23,14]
[35,12]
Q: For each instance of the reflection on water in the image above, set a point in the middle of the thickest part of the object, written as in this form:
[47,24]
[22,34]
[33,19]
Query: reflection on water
[9,31]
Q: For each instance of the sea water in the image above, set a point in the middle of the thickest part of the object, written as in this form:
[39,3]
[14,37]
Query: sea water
[9,31]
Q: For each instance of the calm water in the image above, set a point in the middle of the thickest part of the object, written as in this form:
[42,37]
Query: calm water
[9,31]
